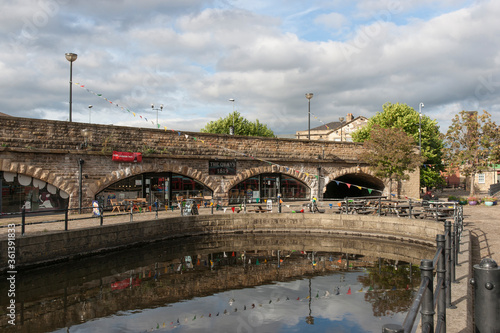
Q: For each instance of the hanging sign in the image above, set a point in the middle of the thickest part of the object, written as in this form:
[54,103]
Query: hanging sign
[121,156]
[222,167]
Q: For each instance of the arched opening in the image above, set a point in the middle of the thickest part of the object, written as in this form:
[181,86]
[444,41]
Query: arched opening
[161,187]
[34,195]
[353,185]
[267,186]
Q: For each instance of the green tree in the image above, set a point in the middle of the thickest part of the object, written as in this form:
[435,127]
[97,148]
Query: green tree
[406,118]
[242,126]
[471,143]
[391,153]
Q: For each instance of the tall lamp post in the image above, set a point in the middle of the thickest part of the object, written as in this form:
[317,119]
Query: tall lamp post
[157,109]
[231,128]
[341,119]
[71,57]
[420,106]
[309,96]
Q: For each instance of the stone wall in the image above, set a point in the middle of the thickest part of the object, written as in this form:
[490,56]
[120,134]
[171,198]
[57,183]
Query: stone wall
[51,151]
[38,249]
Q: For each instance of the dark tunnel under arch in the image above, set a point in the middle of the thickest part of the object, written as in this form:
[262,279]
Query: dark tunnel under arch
[341,190]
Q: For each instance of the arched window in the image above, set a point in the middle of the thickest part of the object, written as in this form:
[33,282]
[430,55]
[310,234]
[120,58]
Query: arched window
[268,186]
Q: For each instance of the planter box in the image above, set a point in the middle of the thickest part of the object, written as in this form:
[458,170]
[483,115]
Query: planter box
[472,203]
[488,203]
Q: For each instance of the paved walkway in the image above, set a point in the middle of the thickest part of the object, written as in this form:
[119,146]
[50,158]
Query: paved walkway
[481,222]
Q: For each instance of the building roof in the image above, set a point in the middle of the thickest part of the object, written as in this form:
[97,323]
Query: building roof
[4,115]
[331,125]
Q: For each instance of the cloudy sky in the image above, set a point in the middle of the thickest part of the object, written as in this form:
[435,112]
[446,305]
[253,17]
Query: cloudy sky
[192,56]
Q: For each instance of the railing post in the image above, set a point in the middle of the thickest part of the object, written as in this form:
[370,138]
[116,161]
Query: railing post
[441,276]
[66,219]
[486,284]
[409,210]
[392,328]
[131,213]
[447,232]
[156,204]
[23,221]
[454,253]
[101,212]
[427,309]
[379,205]
[212,207]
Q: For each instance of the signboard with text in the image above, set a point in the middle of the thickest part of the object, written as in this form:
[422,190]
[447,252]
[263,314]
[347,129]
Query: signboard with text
[222,167]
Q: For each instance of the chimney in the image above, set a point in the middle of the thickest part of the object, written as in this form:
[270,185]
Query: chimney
[349,117]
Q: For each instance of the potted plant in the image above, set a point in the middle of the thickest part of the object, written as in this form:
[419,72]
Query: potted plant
[462,201]
[472,201]
[453,198]
[489,201]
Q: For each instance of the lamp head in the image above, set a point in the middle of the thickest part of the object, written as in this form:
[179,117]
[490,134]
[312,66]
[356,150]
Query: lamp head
[90,106]
[309,95]
[231,99]
[71,56]
[422,105]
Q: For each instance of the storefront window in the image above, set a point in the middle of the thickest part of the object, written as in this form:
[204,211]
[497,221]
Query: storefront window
[163,188]
[20,191]
[267,186]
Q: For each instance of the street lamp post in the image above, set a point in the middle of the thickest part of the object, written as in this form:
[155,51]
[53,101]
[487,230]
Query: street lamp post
[341,119]
[157,109]
[70,57]
[420,106]
[309,96]
[231,129]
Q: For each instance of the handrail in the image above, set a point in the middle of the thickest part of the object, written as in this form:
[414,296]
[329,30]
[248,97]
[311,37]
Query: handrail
[427,298]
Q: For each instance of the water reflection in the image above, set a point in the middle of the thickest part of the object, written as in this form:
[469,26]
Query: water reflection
[246,283]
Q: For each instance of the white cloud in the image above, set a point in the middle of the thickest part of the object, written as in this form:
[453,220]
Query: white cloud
[193,56]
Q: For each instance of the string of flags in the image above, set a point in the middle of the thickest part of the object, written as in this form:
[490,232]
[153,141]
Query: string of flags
[321,121]
[187,136]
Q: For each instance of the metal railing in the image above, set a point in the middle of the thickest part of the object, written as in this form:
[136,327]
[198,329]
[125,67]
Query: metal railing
[430,298]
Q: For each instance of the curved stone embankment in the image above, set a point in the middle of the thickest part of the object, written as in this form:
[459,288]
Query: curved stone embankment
[57,246]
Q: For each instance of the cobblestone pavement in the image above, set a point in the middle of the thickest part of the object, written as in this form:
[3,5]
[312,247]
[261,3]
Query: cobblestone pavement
[481,222]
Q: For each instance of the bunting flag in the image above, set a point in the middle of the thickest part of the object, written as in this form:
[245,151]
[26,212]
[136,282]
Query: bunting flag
[187,137]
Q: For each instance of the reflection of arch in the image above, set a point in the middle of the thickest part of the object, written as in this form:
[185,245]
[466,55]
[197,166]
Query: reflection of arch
[40,174]
[137,169]
[270,169]
[356,176]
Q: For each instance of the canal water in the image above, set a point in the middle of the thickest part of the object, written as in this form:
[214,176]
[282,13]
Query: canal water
[237,283]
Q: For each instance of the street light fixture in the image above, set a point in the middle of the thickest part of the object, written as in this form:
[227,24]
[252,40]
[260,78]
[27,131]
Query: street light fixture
[309,96]
[420,106]
[71,57]
[90,107]
[231,128]
[157,109]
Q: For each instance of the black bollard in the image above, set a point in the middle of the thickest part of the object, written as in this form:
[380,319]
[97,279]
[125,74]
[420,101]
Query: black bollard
[486,284]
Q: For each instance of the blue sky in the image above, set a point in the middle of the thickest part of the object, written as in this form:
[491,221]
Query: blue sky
[192,56]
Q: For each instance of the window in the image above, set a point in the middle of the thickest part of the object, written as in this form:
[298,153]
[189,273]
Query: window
[480,178]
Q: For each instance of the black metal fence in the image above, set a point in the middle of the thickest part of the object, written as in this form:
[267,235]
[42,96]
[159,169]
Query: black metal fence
[432,299]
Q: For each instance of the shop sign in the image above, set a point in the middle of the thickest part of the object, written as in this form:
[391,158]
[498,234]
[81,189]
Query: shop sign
[121,156]
[222,167]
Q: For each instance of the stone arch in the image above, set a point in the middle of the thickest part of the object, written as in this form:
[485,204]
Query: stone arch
[356,175]
[137,169]
[270,169]
[41,174]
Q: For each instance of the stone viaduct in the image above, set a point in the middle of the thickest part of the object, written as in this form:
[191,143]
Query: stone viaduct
[51,150]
